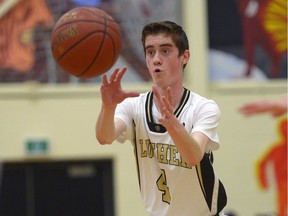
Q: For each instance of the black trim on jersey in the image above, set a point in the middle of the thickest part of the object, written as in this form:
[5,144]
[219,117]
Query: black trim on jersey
[136,154]
[159,128]
[206,179]
[222,197]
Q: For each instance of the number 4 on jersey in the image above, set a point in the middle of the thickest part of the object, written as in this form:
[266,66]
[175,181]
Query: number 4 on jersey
[162,186]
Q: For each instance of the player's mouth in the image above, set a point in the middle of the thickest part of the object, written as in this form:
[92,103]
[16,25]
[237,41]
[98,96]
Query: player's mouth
[157,70]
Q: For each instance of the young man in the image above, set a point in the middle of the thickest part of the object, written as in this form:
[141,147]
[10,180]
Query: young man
[173,129]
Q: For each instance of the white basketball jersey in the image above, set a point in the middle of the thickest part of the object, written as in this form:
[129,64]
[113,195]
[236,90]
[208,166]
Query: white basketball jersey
[168,185]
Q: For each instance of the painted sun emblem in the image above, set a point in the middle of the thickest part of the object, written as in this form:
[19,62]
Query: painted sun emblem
[275,23]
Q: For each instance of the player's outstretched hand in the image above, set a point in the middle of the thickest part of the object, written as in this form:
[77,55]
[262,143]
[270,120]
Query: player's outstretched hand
[111,89]
[164,105]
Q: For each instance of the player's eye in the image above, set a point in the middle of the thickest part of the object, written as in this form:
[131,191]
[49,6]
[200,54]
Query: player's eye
[150,52]
[165,51]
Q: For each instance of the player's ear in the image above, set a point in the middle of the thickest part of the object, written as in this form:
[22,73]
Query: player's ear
[185,57]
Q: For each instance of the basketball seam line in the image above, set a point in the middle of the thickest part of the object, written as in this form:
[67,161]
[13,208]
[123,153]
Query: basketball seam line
[92,21]
[98,51]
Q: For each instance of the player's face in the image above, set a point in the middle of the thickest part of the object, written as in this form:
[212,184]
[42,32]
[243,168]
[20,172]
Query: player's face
[163,62]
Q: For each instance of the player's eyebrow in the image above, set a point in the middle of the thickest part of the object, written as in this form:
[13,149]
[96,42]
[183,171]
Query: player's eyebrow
[162,45]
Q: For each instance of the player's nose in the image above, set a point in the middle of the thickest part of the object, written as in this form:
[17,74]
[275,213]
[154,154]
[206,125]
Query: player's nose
[157,59]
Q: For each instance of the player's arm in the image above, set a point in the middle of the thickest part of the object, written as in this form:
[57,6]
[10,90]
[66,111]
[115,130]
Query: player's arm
[191,146]
[109,128]
[275,107]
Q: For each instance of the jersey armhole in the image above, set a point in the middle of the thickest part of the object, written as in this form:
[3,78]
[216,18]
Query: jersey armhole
[124,136]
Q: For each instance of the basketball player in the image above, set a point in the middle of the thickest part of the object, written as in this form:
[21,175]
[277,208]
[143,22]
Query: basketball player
[173,129]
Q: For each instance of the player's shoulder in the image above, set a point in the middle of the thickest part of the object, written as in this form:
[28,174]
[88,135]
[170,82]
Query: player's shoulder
[197,98]
[199,101]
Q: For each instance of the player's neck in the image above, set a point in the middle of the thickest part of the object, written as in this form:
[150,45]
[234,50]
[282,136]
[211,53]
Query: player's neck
[176,94]
[176,97]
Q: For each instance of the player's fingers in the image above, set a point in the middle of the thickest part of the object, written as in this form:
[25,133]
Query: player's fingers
[114,75]
[165,115]
[156,93]
[168,107]
[169,95]
[104,80]
[121,74]
[159,99]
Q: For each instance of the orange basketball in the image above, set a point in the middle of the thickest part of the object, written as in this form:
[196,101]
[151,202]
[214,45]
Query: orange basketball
[86,42]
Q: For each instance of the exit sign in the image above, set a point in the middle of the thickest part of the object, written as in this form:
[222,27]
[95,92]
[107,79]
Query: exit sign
[39,146]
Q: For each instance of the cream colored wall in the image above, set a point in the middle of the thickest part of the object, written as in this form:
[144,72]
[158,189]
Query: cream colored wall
[66,116]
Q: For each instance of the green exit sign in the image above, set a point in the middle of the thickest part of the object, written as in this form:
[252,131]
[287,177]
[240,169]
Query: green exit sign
[37,146]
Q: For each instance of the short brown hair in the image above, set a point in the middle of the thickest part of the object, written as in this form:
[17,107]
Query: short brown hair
[177,33]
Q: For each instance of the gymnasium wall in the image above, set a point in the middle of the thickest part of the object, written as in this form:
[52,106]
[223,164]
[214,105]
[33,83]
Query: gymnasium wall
[65,116]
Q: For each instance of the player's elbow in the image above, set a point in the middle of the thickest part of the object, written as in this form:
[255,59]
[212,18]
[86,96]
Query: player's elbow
[102,137]
[193,161]
[103,140]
